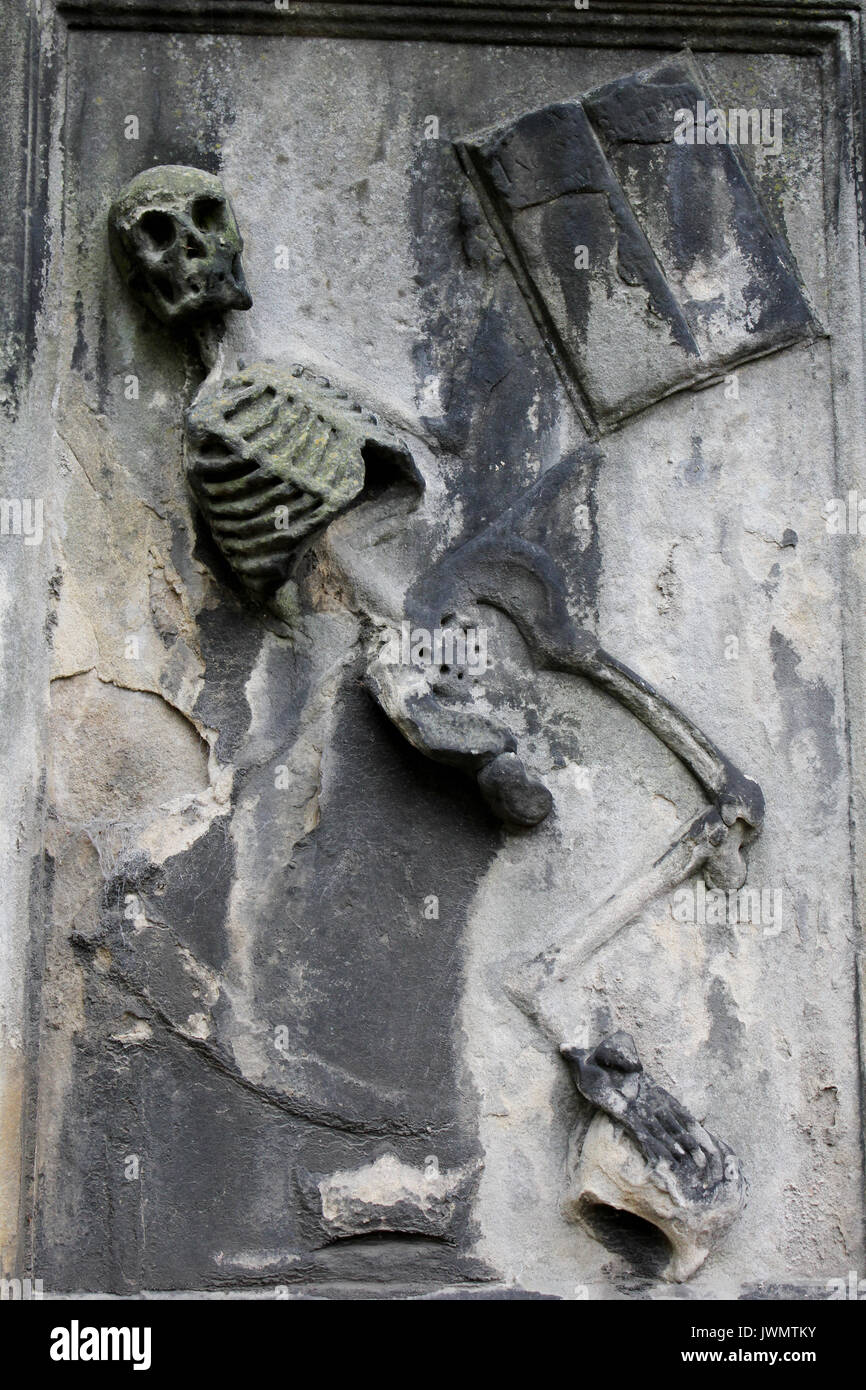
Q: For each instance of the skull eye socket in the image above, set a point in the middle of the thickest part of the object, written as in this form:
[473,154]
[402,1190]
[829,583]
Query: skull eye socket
[158,228]
[208,214]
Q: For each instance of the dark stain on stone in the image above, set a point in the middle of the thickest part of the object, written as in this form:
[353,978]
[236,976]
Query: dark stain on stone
[29,78]
[727,1031]
[79,350]
[230,644]
[695,468]
[190,893]
[498,389]
[807,705]
[344,953]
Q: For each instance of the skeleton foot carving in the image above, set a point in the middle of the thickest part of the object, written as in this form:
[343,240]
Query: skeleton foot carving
[645,1154]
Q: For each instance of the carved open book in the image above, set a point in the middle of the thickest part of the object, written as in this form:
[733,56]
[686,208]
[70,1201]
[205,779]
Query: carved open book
[639,240]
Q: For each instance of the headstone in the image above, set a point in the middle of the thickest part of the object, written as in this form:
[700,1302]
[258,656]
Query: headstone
[433,595]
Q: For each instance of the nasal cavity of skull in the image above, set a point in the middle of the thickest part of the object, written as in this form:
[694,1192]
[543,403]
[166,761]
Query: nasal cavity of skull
[194,248]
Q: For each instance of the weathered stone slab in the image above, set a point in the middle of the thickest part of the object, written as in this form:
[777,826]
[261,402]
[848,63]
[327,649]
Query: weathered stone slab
[379,744]
[646,259]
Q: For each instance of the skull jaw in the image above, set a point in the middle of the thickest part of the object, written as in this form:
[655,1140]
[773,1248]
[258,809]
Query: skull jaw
[200,296]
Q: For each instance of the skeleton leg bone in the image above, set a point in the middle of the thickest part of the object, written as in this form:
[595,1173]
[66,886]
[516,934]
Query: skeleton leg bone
[544,987]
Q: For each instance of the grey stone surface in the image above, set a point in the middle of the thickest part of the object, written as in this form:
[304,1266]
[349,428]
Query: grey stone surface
[686,274]
[257,1020]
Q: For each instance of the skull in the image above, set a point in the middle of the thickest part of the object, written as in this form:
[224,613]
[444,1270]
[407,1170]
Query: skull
[175,241]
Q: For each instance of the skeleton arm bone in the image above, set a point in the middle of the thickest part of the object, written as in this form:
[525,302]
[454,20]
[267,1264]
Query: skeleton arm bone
[519,578]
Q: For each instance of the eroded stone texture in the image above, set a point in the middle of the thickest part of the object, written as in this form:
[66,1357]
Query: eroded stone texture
[618,231]
[121,755]
[644,1154]
[390,1196]
[278,978]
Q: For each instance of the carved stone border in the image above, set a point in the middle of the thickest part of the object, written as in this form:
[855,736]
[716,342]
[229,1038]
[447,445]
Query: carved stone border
[664,24]
[32,71]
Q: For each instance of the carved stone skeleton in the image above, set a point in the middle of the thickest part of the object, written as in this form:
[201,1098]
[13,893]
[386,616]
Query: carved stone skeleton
[273,457]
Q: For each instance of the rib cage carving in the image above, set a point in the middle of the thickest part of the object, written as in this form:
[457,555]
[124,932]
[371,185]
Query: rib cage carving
[273,456]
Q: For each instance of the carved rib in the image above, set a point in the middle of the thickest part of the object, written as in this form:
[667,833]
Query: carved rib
[265,439]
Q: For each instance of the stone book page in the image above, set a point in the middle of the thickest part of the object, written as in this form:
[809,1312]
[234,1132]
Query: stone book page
[605,182]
